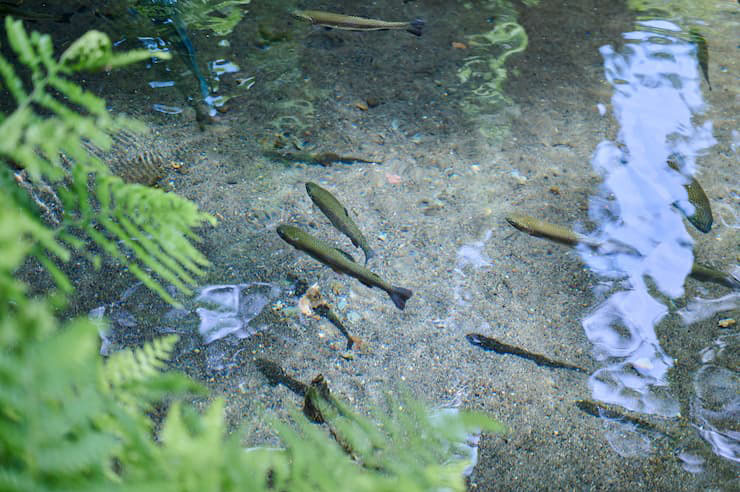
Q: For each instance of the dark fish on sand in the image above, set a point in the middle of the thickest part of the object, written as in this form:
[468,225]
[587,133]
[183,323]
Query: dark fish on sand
[354,23]
[340,263]
[487,343]
[15,10]
[601,410]
[708,274]
[702,52]
[339,217]
[701,218]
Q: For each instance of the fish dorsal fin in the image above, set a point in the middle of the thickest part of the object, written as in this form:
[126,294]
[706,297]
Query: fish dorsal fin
[345,254]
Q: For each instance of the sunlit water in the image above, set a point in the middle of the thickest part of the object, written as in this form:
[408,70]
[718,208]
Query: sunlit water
[658,103]
[640,271]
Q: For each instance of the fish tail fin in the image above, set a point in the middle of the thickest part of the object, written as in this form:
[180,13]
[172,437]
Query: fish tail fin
[399,296]
[415,26]
[369,253]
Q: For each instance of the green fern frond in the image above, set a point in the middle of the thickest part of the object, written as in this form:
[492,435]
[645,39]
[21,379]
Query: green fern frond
[134,365]
[147,230]
[137,377]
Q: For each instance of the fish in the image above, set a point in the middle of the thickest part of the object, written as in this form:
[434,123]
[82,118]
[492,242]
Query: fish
[600,410]
[488,343]
[706,273]
[15,10]
[702,52]
[339,262]
[540,228]
[354,23]
[701,218]
[339,217]
[563,235]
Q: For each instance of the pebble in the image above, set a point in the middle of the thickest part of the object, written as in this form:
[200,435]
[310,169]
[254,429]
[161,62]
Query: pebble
[726,322]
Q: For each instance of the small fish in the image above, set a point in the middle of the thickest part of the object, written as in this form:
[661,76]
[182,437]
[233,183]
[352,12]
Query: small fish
[353,23]
[562,235]
[701,218]
[540,228]
[487,343]
[702,52]
[339,217]
[324,159]
[708,274]
[338,262]
[600,410]
[15,10]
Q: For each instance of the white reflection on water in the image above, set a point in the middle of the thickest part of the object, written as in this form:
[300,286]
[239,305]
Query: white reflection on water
[656,95]
[715,408]
[226,310]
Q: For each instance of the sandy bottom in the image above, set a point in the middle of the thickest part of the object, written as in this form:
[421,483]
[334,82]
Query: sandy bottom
[433,209]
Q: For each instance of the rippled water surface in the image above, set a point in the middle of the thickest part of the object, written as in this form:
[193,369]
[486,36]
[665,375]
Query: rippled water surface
[591,115]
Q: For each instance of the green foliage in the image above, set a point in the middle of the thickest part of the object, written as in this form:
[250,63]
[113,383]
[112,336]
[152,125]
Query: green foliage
[146,229]
[68,420]
[219,16]
[408,448]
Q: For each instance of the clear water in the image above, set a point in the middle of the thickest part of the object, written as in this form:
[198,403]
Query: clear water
[563,111]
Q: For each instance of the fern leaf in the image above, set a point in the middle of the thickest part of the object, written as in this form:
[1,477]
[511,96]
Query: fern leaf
[73,456]
[139,364]
[12,81]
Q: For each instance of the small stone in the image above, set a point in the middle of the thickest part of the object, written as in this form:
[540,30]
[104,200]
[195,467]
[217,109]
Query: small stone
[726,322]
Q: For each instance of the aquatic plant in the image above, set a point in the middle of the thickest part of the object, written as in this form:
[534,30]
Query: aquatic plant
[45,146]
[219,16]
[70,420]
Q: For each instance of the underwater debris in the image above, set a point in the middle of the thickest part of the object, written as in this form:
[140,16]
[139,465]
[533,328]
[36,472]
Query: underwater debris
[276,375]
[327,312]
[136,158]
[487,343]
[311,300]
